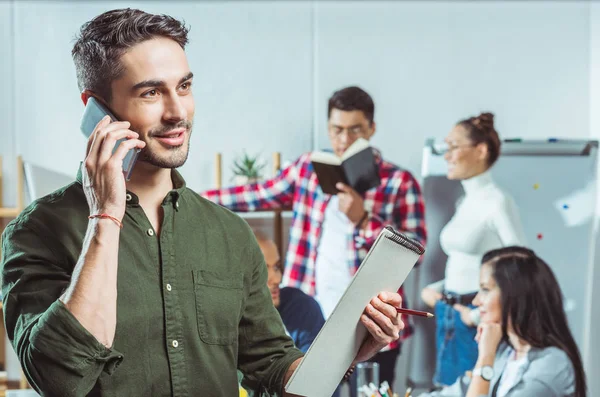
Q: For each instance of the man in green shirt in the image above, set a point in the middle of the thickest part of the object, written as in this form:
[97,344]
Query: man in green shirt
[141,287]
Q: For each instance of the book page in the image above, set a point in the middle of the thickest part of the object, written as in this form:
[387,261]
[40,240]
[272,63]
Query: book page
[358,145]
[325,158]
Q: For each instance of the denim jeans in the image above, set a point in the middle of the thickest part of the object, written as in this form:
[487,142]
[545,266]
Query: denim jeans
[456,347]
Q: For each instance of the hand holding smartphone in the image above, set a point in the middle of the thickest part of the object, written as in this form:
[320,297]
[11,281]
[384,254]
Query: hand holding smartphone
[93,114]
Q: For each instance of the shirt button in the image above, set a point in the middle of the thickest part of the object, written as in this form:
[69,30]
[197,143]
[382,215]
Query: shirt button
[168,287]
[128,197]
[150,232]
[175,343]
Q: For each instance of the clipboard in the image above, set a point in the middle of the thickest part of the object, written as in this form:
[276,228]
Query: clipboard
[386,266]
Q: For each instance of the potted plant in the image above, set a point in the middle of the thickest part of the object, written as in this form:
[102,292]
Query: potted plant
[247,169]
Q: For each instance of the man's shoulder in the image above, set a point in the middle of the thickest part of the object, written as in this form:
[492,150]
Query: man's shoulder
[50,220]
[219,218]
[393,168]
[304,157]
[210,208]
[303,161]
[54,208]
[294,293]
[393,174]
[296,297]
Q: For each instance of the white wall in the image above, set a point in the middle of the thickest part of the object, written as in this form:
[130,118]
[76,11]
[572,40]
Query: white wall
[429,64]
[7,112]
[7,137]
[595,69]
[592,356]
[264,72]
[251,81]
[266,69]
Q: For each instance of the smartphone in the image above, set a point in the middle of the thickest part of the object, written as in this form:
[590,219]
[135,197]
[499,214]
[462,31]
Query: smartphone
[94,112]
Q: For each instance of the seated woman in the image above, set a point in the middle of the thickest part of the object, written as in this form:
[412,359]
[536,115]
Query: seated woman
[526,348]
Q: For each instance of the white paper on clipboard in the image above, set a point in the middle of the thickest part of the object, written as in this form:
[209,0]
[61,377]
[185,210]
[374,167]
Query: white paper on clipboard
[386,266]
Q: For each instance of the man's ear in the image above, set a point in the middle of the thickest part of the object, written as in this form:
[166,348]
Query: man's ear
[85,95]
[372,131]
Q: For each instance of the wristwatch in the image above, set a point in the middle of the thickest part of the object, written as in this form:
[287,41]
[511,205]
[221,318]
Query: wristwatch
[486,372]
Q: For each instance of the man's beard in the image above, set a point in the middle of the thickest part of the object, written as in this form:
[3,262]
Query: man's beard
[177,155]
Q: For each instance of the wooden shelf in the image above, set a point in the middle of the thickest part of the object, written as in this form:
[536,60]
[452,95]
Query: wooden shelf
[13,212]
[9,212]
[277,215]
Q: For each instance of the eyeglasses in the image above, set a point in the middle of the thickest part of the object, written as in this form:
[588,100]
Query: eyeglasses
[450,148]
[355,131]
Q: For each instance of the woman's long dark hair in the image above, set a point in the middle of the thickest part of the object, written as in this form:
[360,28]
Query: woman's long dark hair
[532,303]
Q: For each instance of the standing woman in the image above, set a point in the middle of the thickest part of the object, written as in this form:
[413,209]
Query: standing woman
[486,218]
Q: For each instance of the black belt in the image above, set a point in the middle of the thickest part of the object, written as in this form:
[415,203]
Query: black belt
[452,298]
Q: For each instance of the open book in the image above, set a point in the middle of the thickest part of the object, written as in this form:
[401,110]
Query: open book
[356,168]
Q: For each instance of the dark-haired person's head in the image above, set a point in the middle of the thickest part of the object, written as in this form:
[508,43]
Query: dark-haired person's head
[350,115]
[473,147]
[519,291]
[274,265]
[135,64]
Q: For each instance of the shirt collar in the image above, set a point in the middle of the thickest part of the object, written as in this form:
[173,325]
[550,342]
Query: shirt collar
[132,199]
[478,182]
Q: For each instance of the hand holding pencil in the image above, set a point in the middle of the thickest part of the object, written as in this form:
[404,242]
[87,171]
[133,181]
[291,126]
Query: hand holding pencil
[414,312]
[383,323]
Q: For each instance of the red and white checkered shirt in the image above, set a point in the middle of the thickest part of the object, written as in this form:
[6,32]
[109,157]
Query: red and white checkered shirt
[397,201]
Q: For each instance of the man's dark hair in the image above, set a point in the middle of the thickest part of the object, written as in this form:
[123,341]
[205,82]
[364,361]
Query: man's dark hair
[103,40]
[352,98]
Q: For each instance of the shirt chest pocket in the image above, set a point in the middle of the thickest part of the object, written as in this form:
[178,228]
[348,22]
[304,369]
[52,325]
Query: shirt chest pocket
[219,302]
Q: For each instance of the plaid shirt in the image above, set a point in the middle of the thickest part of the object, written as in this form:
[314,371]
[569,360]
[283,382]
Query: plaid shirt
[397,201]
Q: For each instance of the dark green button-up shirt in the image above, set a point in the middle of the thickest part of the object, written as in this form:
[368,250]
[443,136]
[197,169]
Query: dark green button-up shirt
[193,303]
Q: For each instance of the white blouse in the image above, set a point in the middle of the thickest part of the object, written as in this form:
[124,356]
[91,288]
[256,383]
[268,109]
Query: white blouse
[485,219]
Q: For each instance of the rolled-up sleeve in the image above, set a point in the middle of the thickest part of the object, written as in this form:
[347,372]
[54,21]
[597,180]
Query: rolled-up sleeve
[58,355]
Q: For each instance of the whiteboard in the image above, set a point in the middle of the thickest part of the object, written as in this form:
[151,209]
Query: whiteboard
[554,186]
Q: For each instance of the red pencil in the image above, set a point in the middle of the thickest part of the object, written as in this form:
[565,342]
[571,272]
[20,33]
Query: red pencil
[414,313]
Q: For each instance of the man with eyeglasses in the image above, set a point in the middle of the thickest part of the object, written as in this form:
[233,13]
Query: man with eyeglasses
[331,234]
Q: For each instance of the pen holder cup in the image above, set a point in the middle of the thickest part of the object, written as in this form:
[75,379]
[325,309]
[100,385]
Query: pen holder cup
[367,375]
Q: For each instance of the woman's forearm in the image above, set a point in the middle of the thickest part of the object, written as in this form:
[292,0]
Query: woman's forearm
[478,385]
